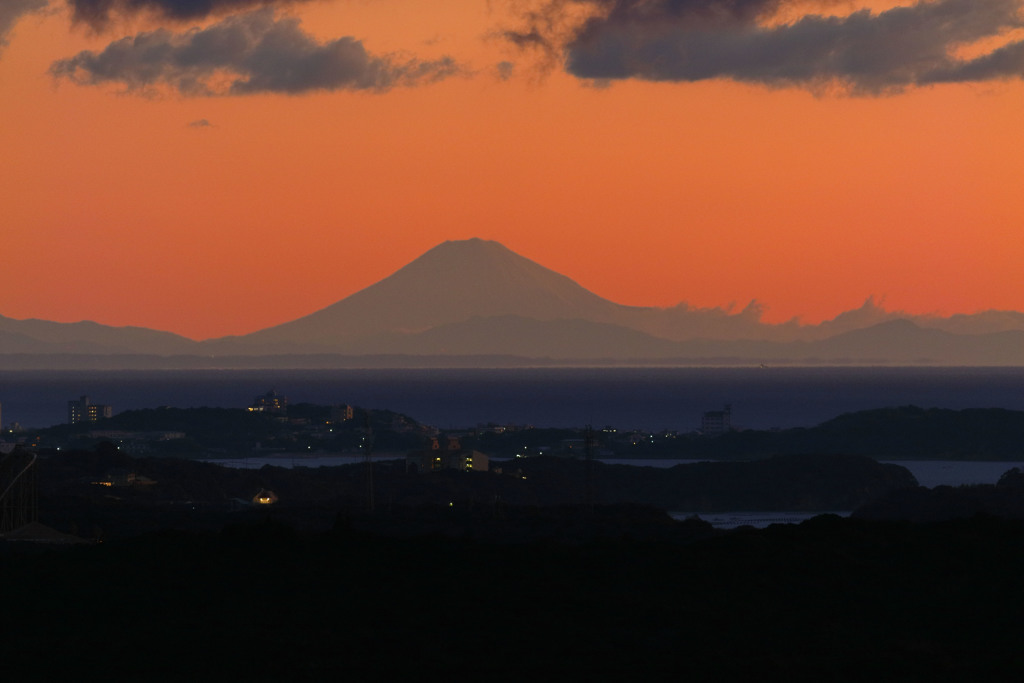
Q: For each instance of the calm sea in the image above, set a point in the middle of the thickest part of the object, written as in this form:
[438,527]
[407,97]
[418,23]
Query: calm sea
[651,399]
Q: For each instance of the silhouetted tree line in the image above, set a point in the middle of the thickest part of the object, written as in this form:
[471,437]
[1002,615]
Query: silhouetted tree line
[903,433]
[1005,499]
[234,431]
[906,432]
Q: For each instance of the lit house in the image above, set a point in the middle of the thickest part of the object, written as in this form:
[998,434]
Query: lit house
[264,497]
[119,477]
[84,411]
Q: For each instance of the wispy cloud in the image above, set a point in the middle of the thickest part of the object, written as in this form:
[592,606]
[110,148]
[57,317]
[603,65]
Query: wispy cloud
[865,52]
[13,10]
[200,123]
[99,13]
[255,52]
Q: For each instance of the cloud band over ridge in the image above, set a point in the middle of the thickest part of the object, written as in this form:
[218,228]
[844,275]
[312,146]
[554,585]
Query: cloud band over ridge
[255,52]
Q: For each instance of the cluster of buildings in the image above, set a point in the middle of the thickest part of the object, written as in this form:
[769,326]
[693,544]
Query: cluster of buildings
[442,453]
[270,402]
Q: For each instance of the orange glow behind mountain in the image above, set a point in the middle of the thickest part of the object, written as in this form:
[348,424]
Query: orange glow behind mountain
[114,208]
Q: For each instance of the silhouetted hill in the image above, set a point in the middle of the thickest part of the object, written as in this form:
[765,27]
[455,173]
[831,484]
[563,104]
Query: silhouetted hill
[189,494]
[791,482]
[910,432]
[240,433]
[45,337]
[896,433]
[903,341]
[1004,500]
[944,503]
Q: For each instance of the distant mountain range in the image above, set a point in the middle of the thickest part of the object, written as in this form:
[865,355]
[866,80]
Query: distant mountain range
[474,302]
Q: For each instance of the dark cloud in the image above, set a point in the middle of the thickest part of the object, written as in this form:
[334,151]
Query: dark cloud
[99,13]
[545,26]
[200,123]
[691,13]
[866,52]
[13,10]
[529,38]
[256,52]
[505,70]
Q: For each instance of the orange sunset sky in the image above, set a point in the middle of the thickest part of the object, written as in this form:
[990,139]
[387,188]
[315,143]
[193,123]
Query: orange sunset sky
[218,167]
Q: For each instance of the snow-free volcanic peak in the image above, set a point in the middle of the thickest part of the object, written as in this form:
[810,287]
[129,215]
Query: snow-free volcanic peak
[454,281]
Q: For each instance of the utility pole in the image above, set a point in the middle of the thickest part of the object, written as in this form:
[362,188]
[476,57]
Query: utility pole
[19,502]
[368,456]
[588,448]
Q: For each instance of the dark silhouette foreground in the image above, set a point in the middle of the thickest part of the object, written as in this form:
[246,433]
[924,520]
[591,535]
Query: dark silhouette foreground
[830,599]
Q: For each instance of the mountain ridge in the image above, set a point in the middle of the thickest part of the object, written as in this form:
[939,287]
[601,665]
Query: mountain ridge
[454,281]
[476,297]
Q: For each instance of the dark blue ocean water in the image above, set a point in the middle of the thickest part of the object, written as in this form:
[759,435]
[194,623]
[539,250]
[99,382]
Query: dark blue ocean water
[626,398]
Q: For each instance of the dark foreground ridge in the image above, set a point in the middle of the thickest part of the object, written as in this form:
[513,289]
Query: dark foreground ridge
[503,576]
[830,599]
[105,493]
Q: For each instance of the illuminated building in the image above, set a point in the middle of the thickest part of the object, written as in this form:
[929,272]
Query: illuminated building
[717,422]
[342,413]
[83,410]
[269,402]
[449,457]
